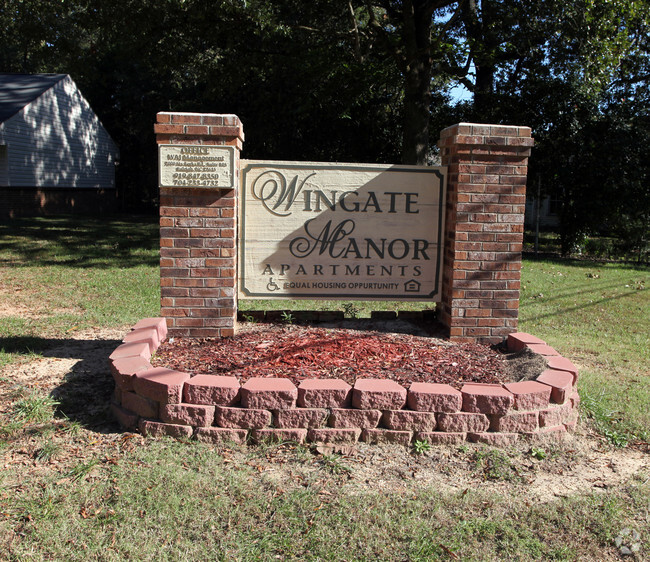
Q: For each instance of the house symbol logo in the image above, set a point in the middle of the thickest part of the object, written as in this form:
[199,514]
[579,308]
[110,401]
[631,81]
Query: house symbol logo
[412,286]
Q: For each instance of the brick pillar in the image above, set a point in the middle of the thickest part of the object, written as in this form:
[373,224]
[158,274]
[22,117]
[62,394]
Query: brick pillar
[198,230]
[486,196]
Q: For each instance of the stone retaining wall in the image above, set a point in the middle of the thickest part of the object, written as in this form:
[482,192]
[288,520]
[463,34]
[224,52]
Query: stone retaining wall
[217,409]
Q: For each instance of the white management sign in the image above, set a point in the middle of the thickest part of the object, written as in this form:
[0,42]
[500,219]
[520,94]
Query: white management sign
[196,166]
[341,231]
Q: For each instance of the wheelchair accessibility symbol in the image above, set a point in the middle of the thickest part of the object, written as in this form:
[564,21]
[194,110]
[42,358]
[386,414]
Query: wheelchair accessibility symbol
[272,285]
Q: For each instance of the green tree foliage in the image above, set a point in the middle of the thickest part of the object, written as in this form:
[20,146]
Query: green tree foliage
[577,73]
[592,149]
[367,81]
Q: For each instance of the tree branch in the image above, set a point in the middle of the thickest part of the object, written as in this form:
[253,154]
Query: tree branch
[355,30]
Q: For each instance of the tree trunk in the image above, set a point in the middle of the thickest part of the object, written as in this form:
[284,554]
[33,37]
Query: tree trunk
[484,89]
[417,86]
[484,45]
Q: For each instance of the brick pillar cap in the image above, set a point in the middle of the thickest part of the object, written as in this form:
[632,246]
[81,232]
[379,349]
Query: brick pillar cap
[163,116]
[485,129]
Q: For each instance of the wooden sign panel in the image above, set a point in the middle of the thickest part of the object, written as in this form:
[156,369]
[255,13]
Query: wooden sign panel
[341,231]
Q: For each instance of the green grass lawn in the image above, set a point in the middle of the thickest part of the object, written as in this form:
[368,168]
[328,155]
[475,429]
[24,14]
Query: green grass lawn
[65,274]
[598,315]
[81,494]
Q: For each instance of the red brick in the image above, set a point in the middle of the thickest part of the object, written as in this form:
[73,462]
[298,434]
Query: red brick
[542,349]
[380,436]
[168,211]
[269,393]
[463,422]
[161,129]
[158,429]
[185,243]
[131,350]
[515,422]
[174,232]
[486,399]
[381,394]
[212,119]
[185,118]
[196,130]
[188,322]
[275,435]
[300,418]
[522,141]
[203,212]
[343,418]
[575,399]
[441,437]
[407,420]
[561,383]
[139,405]
[146,335]
[188,282]
[432,397]
[330,435]
[494,439]
[124,369]
[241,418]
[124,417]
[225,131]
[160,384]
[160,324]
[187,414]
[529,395]
[212,390]
[221,435]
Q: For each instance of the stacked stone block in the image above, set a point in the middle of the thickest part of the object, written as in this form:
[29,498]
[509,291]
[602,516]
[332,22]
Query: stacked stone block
[484,225]
[218,409]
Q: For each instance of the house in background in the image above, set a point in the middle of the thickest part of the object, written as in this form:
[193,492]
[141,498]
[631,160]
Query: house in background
[544,212]
[55,155]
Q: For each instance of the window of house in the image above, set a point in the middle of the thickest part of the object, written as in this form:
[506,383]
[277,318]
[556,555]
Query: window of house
[554,205]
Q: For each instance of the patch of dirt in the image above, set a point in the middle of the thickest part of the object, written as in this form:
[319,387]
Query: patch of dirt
[582,464]
[85,351]
[298,353]
[523,365]
[19,310]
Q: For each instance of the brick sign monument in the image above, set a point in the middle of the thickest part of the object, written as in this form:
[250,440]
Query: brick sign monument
[232,228]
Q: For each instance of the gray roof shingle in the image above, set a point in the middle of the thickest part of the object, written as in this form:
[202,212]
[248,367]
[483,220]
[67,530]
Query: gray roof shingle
[18,90]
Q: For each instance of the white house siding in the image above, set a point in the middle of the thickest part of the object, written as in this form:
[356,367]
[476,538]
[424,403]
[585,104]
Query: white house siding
[547,218]
[57,141]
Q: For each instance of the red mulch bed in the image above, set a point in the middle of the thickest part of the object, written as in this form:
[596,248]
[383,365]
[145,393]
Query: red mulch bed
[299,353]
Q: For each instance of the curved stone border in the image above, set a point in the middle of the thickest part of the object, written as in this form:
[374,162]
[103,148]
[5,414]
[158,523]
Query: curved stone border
[217,409]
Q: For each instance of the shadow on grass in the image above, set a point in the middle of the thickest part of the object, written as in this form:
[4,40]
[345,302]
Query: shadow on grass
[593,303]
[84,391]
[555,259]
[124,241]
